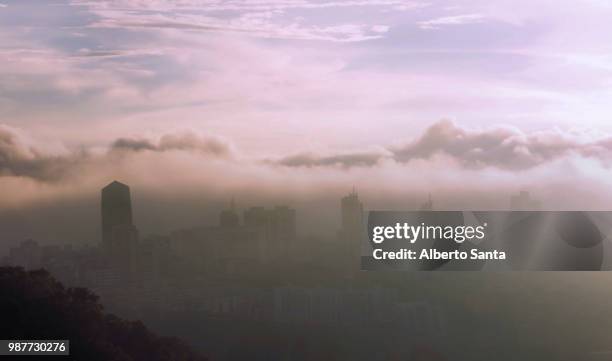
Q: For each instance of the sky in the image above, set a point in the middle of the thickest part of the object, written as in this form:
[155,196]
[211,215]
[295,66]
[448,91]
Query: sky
[298,100]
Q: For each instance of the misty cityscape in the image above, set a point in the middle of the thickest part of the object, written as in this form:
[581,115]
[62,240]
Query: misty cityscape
[195,180]
[252,268]
[248,270]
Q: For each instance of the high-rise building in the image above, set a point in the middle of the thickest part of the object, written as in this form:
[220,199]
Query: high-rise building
[119,236]
[352,233]
[228,218]
[352,213]
[116,209]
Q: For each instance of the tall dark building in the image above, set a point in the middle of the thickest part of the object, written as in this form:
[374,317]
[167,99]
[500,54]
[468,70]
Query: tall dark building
[116,209]
[352,213]
[228,218]
[353,230]
[119,236]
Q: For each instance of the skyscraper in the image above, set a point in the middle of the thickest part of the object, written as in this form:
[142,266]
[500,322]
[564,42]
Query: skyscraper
[352,213]
[228,218]
[116,209]
[352,232]
[119,236]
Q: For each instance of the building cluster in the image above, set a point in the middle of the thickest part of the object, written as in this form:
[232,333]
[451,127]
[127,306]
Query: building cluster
[250,268]
[161,275]
[262,236]
[125,268]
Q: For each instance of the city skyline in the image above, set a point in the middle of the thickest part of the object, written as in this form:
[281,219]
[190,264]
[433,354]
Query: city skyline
[116,218]
[288,102]
[212,171]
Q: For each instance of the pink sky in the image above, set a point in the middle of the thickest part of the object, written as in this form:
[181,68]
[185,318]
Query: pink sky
[301,96]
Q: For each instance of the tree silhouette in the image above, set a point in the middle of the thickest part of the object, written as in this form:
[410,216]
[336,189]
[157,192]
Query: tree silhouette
[33,305]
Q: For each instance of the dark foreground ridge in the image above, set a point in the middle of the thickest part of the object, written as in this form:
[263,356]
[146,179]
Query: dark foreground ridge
[33,305]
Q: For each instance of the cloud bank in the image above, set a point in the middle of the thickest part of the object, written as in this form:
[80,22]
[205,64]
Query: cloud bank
[498,147]
[20,159]
[177,175]
[187,142]
[345,160]
[501,147]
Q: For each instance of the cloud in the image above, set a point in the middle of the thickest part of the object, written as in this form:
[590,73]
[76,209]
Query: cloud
[498,147]
[135,145]
[254,27]
[187,142]
[451,21]
[380,28]
[346,160]
[501,147]
[277,5]
[20,159]
[49,83]
[268,19]
[88,53]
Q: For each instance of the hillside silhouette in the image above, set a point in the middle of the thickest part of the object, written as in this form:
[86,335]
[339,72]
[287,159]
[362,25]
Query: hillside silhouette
[33,305]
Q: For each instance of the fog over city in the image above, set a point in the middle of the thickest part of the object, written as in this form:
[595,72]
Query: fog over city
[206,166]
[295,102]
